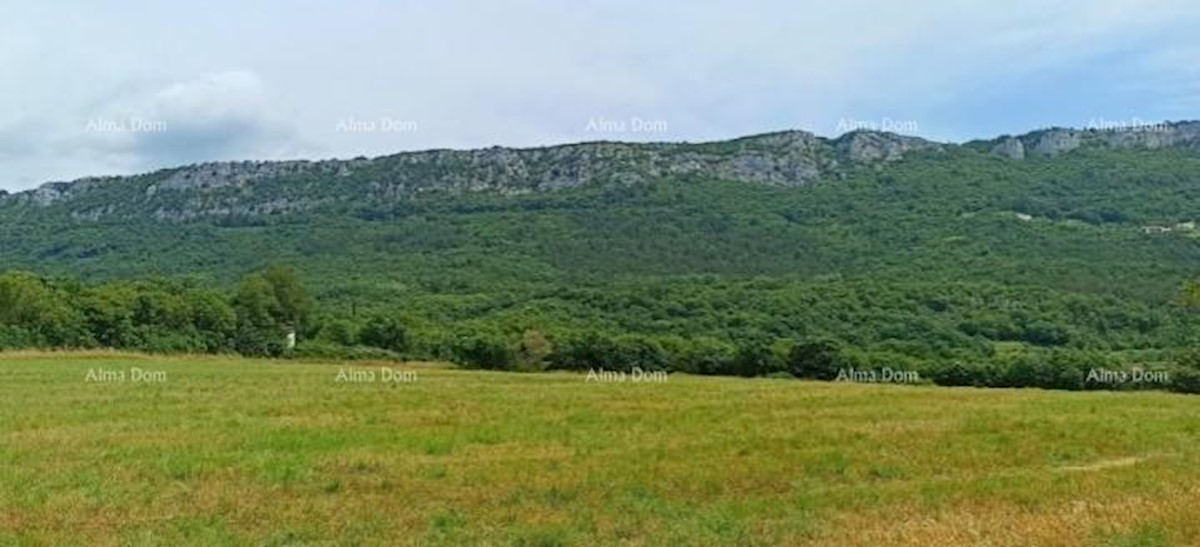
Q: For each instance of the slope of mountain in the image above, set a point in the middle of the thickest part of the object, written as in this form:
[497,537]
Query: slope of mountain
[891,244]
[790,158]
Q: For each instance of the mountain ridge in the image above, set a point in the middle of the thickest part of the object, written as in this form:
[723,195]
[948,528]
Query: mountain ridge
[781,158]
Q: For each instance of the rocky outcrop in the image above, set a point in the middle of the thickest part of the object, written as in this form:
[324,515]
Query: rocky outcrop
[1177,135]
[867,146]
[1009,147]
[1056,141]
[1053,142]
[55,192]
[222,174]
[786,158]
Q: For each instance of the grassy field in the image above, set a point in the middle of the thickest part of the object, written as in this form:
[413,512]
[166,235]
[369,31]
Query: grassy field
[217,450]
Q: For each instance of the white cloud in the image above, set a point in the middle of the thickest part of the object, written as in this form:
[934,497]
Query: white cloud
[528,72]
[220,116]
[216,116]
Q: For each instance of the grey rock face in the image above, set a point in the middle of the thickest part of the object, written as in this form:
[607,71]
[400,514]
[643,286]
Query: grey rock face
[787,158]
[1055,141]
[1052,142]
[55,192]
[49,193]
[784,158]
[1186,134]
[866,146]
[1009,147]
[223,174]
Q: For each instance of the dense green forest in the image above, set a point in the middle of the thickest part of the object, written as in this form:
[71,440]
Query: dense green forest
[969,268]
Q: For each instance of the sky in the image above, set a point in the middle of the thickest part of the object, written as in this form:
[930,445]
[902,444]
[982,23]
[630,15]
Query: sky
[100,87]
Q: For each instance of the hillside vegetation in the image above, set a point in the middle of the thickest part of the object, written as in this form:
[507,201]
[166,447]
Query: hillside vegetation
[897,253]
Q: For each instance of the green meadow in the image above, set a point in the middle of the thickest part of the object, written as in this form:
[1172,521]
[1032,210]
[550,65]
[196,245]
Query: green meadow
[127,449]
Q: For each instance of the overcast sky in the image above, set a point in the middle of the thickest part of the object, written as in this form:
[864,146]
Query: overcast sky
[99,87]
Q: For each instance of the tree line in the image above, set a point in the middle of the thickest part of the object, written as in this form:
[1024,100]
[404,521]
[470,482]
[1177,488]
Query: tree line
[156,315]
[255,317]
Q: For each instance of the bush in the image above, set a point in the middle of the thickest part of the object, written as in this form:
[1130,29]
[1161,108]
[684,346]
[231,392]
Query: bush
[484,351]
[1189,360]
[338,331]
[705,356]
[815,359]
[640,352]
[171,342]
[959,373]
[258,342]
[1185,380]
[1054,369]
[534,352]
[320,349]
[756,359]
[14,337]
[385,332]
[585,351]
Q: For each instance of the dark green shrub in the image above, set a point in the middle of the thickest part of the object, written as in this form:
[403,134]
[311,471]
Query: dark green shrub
[338,331]
[815,359]
[484,351]
[386,333]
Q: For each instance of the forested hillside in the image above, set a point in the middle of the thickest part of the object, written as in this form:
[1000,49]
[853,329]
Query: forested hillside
[722,258]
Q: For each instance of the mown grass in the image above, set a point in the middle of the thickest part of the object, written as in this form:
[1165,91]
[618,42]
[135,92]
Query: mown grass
[236,451]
